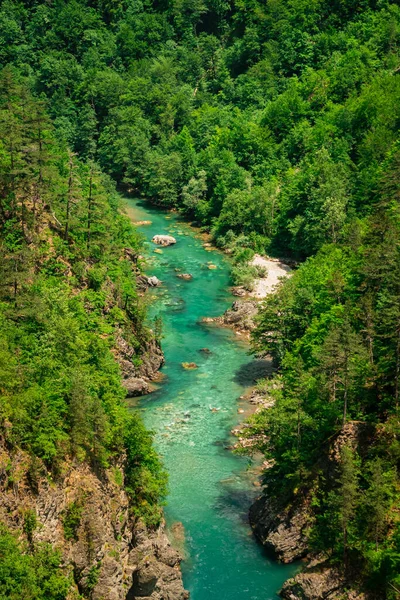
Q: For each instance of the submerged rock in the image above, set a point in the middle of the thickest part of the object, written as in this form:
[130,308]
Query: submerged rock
[189,366]
[186,276]
[164,240]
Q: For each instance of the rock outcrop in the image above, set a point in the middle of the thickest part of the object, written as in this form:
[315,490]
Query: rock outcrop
[241,315]
[280,529]
[144,282]
[321,581]
[164,240]
[318,583]
[137,378]
[87,517]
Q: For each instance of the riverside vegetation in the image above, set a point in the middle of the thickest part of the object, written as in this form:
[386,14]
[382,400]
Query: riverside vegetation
[275,126]
[68,290]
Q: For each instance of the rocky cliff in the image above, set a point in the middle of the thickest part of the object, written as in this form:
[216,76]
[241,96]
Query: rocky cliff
[137,378]
[111,555]
[282,527]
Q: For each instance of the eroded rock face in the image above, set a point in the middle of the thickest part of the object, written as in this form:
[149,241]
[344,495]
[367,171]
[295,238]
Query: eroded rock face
[320,583]
[130,561]
[281,530]
[136,379]
[163,240]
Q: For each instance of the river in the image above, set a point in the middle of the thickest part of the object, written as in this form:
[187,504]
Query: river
[210,488]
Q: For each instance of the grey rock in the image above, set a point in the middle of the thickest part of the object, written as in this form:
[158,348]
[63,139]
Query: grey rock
[131,560]
[315,584]
[135,386]
[241,315]
[281,530]
[153,281]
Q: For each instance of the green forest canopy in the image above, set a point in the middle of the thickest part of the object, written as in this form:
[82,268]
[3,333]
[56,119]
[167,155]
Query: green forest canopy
[275,126]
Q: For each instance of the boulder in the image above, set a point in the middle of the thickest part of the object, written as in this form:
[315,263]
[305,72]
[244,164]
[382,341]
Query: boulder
[163,240]
[241,314]
[143,282]
[153,281]
[239,291]
[135,386]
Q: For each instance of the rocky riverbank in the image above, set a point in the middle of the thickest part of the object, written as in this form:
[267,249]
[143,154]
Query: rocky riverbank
[87,517]
[283,529]
[243,312]
[240,317]
[83,510]
[86,513]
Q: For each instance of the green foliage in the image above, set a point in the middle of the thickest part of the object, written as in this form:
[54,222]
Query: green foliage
[71,518]
[92,577]
[37,574]
[68,272]
[244,275]
[30,524]
[333,329]
[274,125]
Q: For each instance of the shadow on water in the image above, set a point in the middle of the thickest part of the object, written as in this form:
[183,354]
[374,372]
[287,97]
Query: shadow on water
[248,373]
[235,502]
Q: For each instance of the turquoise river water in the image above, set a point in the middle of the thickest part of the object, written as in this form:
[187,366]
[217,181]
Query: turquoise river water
[210,488]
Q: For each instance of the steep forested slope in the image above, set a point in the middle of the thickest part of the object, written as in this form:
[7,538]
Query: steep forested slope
[273,124]
[68,293]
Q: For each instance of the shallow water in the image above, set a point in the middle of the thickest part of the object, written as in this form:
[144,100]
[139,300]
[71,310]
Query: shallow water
[210,489]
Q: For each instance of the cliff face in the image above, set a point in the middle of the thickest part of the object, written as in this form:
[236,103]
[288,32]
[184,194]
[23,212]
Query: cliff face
[137,379]
[282,528]
[112,555]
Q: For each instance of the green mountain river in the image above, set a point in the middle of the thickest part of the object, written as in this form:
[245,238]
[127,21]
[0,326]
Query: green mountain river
[210,488]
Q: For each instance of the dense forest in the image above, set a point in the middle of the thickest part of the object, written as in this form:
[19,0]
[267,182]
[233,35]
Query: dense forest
[274,125]
[68,288]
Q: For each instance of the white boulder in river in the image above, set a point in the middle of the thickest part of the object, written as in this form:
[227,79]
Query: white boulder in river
[164,240]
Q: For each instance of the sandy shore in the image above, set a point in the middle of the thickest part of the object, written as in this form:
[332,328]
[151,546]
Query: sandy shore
[276,271]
